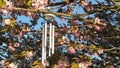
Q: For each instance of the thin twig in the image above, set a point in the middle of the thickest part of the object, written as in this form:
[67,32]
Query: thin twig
[114,48]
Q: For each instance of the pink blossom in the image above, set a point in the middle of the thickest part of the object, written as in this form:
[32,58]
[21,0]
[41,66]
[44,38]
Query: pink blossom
[20,34]
[71,50]
[29,13]
[12,33]
[62,42]
[46,63]
[84,3]
[9,5]
[100,51]
[84,37]
[97,20]
[98,28]
[16,44]
[77,35]
[62,62]
[73,22]
[63,19]
[20,3]
[64,38]
[11,48]
[6,21]
[95,54]
[89,7]
[68,31]
[56,34]
[87,24]
[7,64]
[12,65]
[3,63]
[29,54]
[5,12]
[81,65]
[39,4]
[84,64]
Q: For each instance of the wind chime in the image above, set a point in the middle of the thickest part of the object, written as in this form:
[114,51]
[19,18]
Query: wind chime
[44,41]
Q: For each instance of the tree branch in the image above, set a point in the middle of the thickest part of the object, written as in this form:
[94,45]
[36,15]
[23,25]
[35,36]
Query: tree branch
[114,48]
[112,8]
[44,11]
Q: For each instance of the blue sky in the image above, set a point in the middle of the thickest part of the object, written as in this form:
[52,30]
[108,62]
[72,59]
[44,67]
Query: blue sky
[26,19]
[77,10]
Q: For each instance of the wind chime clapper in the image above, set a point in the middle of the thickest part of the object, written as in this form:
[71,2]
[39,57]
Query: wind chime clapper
[44,41]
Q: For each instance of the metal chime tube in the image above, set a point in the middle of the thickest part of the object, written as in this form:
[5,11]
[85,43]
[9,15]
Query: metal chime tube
[53,39]
[44,42]
[50,37]
[43,38]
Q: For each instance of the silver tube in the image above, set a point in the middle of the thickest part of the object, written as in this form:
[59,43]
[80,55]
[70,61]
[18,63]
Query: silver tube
[50,35]
[43,42]
[53,29]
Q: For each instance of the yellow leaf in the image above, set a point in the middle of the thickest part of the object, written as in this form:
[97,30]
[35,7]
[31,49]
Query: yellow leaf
[12,24]
[67,1]
[1,3]
[24,28]
[29,3]
[74,65]
[86,31]
[4,30]
[93,47]
[36,62]
[37,66]
[55,66]
[23,53]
